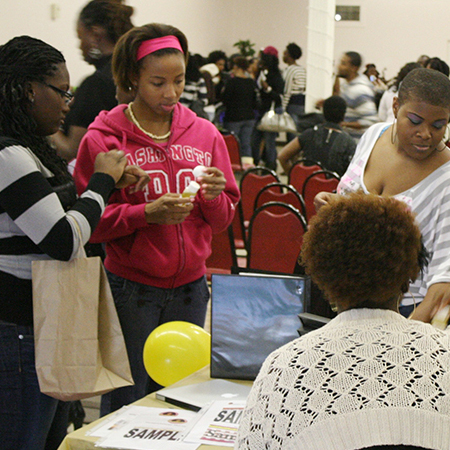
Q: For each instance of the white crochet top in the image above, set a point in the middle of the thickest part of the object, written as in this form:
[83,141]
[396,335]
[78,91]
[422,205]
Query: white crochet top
[369,377]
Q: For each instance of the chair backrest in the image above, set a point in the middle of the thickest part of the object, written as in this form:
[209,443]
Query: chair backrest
[238,229]
[280,192]
[252,181]
[223,253]
[323,180]
[300,170]
[274,239]
[234,151]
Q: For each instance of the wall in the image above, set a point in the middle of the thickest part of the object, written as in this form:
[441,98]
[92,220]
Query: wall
[390,34]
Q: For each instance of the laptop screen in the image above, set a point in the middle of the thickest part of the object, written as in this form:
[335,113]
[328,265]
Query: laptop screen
[252,315]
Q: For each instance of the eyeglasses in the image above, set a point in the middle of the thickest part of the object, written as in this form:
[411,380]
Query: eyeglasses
[66,95]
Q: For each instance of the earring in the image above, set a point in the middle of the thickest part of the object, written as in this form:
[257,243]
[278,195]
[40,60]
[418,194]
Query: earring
[442,145]
[95,52]
[393,137]
[32,97]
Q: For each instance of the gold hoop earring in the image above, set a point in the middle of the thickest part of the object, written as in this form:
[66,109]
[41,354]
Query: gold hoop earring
[393,137]
[443,146]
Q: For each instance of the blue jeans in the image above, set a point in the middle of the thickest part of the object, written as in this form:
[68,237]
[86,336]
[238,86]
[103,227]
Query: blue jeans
[25,413]
[243,130]
[269,154]
[141,309]
[296,111]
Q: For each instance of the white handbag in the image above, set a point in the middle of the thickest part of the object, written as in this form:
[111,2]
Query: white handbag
[271,121]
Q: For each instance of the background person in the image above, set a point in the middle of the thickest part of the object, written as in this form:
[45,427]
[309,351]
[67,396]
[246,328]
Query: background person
[100,25]
[409,160]
[438,64]
[385,111]
[358,93]
[214,74]
[39,208]
[239,99]
[270,84]
[294,84]
[326,143]
[195,93]
[157,242]
[370,376]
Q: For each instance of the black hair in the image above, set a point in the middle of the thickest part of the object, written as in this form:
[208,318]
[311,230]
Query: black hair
[429,86]
[193,67]
[270,62]
[217,55]
[23,60]
[368,67]
[294,50]
[334,108]
[436,63]
[112,15]
[242,62]
[355,58]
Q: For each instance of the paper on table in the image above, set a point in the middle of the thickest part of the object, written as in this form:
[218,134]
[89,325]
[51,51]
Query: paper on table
[218,424]
[140,427]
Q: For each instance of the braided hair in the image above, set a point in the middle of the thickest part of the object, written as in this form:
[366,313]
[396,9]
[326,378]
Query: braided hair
[23,60]
[112,15]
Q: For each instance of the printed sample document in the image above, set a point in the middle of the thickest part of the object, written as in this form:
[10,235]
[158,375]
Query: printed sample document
[217,425]
[147,428]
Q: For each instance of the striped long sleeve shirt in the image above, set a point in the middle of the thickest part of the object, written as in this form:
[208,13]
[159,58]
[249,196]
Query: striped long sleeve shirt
[294,82]
[34,225]
[429,200]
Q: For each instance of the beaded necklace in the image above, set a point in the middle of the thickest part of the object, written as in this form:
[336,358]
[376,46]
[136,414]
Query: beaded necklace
[135,121]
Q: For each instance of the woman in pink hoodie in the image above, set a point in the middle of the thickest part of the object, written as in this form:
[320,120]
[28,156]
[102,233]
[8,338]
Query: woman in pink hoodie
[157,241]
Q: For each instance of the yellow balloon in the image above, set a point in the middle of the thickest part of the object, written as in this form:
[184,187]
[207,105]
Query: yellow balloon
[175,350]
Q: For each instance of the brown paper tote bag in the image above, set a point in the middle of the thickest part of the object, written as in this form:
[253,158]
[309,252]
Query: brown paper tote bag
[80,349]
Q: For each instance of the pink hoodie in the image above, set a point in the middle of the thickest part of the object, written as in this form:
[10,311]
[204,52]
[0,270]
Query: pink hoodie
[163,256]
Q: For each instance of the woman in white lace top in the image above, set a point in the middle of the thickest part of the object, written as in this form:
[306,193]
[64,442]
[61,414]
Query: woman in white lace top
[370,378]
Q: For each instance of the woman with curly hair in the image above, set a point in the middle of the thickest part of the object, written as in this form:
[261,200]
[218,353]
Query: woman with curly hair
[409,160]
[370,378]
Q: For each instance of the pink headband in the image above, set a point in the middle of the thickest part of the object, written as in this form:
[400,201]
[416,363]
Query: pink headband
[152,45]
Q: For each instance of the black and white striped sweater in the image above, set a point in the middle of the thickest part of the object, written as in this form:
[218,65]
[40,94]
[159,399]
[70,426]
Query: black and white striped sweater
[34,224]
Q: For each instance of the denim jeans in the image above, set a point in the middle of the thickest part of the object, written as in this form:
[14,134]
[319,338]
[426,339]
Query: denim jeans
[269,154]
[25,413]
[141,309]
[243,130]
[296,111]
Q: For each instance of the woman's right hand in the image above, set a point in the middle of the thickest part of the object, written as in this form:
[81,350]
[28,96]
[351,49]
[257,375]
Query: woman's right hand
[112,163]
[169,209]
[322,198]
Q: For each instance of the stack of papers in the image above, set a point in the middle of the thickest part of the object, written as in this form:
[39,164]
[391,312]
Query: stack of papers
[147,428]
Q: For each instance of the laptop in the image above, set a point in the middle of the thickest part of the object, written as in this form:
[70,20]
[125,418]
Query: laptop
[196,396]
[253,314]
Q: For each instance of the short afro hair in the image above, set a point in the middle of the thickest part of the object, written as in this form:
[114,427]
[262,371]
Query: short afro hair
[355,59]
[334,109]
[294,50]
[362,249]
[425,85]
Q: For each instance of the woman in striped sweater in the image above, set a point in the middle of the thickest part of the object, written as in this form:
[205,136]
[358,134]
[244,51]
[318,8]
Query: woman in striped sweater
[409,160]
[38,211]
